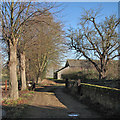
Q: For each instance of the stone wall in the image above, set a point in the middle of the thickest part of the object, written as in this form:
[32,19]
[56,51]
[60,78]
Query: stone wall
[107,97]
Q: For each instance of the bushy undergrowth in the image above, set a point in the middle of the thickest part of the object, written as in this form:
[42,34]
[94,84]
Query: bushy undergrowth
[89,75]
[83,75]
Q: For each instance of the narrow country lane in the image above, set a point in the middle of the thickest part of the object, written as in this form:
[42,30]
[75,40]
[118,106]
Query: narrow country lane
[53,102]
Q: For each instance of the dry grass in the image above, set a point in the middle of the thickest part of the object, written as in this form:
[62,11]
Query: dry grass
[47,82]
[14,108]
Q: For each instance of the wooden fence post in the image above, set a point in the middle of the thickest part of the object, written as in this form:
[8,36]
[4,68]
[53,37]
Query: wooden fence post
[66,81]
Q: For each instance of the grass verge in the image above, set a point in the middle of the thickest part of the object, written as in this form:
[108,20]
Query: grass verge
[15,108]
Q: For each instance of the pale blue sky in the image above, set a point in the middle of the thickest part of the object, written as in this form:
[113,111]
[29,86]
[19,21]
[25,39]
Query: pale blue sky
[73,10]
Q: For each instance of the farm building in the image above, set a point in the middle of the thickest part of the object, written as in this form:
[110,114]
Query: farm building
[73,65]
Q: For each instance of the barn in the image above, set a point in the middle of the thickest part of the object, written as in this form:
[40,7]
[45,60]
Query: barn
[72,65]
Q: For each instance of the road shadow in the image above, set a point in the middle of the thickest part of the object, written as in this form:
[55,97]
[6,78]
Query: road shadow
[46,88]
[67,100]
[38,112]
[93,107]
[57,80]
[71,102]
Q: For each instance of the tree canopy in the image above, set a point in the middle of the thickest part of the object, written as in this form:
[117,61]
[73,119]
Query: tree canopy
[96,38]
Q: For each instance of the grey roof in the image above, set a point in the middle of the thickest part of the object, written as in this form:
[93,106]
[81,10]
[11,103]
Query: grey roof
[78,63]
[82,63]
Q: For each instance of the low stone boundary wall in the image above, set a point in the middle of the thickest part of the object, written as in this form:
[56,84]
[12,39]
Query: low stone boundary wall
[105,96]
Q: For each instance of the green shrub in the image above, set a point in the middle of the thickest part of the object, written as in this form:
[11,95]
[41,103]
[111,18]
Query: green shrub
[83,75]
[32,92]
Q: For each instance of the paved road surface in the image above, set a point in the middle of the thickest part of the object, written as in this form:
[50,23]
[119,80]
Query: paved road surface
[52,102]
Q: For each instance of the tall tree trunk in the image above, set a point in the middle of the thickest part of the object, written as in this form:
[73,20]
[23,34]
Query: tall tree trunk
[22,71]
[38,79]
[27,71]
[102,73]
[13,73]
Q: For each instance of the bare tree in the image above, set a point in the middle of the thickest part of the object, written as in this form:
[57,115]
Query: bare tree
[98,39]
[45,44]
[14,16]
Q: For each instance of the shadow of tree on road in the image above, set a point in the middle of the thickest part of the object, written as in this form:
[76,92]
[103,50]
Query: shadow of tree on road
[31,111]
[72,104]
